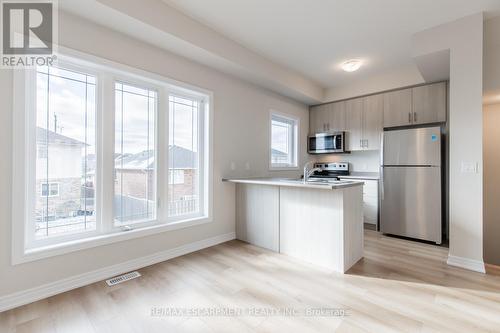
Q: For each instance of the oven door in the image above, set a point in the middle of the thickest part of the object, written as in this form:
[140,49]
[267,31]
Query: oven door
[325,143]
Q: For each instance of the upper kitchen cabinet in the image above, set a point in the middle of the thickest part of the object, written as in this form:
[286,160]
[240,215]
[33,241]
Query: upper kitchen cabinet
[415,106]
[327,118]
[429,103]
[318,116]
[373,121]
[398,108]
[337,117]
[364,122]
[354,123]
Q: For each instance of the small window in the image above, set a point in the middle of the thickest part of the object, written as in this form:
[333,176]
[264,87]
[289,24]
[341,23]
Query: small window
[284,141]
[50,190]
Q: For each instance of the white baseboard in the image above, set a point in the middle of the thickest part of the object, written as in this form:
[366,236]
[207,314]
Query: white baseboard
[34,294]
[470,264]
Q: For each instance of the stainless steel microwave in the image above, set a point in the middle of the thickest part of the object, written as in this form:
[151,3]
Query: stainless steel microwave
[326,143]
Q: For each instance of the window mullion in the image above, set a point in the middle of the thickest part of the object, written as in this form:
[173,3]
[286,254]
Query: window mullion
[162,153]
[106,139]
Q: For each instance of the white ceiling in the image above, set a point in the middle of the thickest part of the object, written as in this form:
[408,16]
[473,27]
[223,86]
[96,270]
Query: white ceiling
[314,36]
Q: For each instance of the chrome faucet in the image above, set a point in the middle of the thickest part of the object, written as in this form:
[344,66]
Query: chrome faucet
[308,172]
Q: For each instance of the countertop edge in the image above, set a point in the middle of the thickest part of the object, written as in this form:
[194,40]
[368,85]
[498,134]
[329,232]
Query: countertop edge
[283,182]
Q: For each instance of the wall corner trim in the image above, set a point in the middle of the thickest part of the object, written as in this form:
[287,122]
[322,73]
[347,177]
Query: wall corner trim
[23,297]
[466,263]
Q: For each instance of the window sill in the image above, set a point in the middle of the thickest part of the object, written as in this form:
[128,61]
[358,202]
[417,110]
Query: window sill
[38,253]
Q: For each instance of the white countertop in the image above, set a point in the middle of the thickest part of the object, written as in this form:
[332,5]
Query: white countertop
[295,183]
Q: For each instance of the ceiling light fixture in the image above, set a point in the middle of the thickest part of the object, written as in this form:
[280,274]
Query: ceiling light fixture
[351,65]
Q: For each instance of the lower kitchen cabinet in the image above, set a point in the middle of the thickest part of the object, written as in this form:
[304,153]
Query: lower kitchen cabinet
[370,200]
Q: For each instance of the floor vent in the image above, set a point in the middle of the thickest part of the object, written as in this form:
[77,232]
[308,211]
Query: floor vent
[122,278]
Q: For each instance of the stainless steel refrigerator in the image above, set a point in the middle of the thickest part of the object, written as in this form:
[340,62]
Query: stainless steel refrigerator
[410,195]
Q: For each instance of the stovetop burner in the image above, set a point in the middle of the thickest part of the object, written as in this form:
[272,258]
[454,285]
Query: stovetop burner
[331,170]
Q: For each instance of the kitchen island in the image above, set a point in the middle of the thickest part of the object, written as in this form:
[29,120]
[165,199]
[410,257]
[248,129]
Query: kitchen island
[317,222]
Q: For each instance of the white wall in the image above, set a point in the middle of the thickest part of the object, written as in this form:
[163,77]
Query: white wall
[361,161]
[464,39]
[241,134]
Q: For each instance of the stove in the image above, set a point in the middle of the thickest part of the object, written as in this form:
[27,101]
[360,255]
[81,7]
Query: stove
[331,170]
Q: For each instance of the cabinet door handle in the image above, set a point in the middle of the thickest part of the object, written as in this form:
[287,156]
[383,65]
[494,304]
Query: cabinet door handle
[414,117]
[366,143]
[409,117]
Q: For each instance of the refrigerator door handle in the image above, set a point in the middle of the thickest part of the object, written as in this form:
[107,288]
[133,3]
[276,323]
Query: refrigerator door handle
[381,183]
[381,177]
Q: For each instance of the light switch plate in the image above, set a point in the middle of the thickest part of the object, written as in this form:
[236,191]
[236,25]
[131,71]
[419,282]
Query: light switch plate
[469,167]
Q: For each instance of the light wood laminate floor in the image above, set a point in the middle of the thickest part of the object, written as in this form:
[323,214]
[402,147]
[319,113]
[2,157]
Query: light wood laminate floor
[400,286]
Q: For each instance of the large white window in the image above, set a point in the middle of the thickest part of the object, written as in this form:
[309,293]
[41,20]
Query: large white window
[284,141]
[135,154]
[64,130]
[103,149]
[184,153]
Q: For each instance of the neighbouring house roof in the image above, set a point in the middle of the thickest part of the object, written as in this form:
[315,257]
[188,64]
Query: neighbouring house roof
[276,152]
[183,159]
[45,136]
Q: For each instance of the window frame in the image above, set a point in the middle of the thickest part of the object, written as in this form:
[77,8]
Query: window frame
[24,158]
[293,141]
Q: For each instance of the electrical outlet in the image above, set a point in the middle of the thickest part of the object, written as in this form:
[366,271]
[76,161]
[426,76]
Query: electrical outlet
[233,166]
[247,166]
[469,167]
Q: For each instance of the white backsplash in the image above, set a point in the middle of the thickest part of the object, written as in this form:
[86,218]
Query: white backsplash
[361,161]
